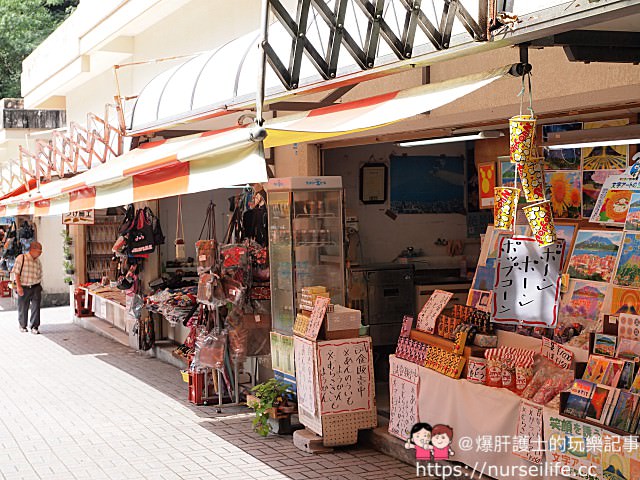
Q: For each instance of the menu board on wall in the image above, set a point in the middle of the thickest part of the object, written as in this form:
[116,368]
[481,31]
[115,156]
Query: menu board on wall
[404,382]
[305,354]
[345,375]
[529,429]
[527,282]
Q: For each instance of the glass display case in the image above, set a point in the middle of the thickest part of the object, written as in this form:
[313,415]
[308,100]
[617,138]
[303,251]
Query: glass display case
[306,242]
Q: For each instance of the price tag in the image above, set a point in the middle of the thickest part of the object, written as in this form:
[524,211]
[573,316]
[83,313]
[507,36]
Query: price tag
[558,354]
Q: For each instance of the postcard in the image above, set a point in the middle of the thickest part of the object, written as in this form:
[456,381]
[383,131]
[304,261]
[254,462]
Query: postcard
[564,190]
[594,255]
[562,159]
[605,344]
[628,349]
[628,269]
[633,215]
[605,157]
[614,208]
[592,183]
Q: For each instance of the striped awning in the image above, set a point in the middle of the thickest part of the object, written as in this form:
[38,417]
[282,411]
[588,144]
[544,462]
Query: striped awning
[228,157]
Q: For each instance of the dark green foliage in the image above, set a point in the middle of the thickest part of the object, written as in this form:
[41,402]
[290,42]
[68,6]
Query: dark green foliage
[24,24]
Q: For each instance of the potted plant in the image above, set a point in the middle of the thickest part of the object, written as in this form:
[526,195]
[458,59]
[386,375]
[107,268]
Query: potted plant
[68,280]
[265,400]
[68,267]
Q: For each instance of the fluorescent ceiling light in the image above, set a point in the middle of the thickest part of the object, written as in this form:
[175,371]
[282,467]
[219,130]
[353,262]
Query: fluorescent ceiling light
[452,139]
[595,144]
[594,137]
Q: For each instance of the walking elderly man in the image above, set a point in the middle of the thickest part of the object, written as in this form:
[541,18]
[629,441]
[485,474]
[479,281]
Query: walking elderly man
[27,272]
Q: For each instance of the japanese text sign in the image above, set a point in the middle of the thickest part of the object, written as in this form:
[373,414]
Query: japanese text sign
[530,441]
[574,444]
[404,382]
[317,317]
[561,356]
[429,313]
[345,376]
[81,217]
[527,282]
[305,354]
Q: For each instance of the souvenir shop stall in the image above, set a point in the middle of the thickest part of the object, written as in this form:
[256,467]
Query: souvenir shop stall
[16,235]
[538,372]
[227,311]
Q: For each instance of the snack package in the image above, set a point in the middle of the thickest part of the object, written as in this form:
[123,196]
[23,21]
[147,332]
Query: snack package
[494,367]
[556,380]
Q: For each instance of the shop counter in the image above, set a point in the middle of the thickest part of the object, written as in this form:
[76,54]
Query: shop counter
[475,412]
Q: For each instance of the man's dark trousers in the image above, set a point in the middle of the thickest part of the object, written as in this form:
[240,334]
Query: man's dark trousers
[31,298]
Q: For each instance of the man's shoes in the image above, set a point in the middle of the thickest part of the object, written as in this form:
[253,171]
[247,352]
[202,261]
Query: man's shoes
[35,331]
[23,330]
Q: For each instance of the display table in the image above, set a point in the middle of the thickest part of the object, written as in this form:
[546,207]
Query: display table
[108,304]
[473,411]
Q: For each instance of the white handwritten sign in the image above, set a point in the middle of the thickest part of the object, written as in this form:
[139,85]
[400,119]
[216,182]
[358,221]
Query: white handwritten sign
[527,282]
[429,313]
[404,382]
[317,317]
[305,354]
[555,352]
[345,375]
[477,370]
[529,440]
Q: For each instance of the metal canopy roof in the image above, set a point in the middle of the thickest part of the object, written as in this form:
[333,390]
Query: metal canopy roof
[224,80]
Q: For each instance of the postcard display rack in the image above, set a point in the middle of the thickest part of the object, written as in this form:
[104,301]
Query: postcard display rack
[567,333]
[306,248]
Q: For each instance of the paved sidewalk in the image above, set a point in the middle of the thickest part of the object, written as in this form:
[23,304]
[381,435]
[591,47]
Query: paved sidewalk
[74,405]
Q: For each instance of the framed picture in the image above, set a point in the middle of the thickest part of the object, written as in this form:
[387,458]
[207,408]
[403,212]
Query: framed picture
[594,255]
[592,182]
[427,184]
[374,178]
[566,230]
[486,183]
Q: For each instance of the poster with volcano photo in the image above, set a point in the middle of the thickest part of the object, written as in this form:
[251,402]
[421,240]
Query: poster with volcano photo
[628,271]
[594,255]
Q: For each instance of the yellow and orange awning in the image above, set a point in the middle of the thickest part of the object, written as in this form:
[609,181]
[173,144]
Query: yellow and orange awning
[228,157]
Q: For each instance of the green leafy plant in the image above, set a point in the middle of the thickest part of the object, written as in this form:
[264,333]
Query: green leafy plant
[267,396]
[68,280]
[68,267]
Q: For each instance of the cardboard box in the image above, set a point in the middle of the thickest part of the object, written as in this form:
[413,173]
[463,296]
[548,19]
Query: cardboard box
[343,318]
[340,334]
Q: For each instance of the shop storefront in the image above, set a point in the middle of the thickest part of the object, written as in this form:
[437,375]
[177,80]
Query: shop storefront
[463,279]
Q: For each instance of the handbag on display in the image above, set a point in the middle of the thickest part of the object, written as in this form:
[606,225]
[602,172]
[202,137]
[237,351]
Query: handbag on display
[127,222]
[207,248]
[140,237]
[181,252]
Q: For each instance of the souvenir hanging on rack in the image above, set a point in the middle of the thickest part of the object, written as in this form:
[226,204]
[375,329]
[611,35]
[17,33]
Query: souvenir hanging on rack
[181,252]
[522,130]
